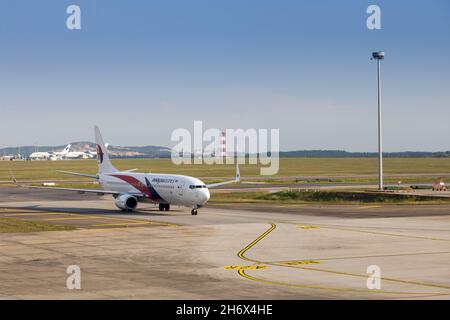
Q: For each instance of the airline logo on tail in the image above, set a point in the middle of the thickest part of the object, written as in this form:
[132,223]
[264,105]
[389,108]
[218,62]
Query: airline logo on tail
[66,149]
[99,154]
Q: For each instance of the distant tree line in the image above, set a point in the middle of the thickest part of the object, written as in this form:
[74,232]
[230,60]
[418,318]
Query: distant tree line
[346,154]
[164,152]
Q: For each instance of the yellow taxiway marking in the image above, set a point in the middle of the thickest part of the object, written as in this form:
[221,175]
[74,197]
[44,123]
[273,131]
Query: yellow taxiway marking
[299,262]
[132,223]
[374,232]
[309,227]
[121,228]
[135,221]
[418,283]
[71,218]
[243,251]
[298,285]
[15,209]
[387,234]
[120,224]
[369,207]
[33,214]
[241,272]
[386,255]
[19,210]
[10,210]
[245,267]
[81,216]
[290,206]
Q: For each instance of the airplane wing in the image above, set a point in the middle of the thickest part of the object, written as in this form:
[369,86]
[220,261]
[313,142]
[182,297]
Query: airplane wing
[237,179]
[79,190]
[93,176]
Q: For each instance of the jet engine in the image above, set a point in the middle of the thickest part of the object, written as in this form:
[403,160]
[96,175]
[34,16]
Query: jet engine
[126,202]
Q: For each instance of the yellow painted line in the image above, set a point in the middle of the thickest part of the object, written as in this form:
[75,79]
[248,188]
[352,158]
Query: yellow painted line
[248,247]
[120,224]
[290,206]
[70,218]
[135,222]
[369,207]
[12,210]
[33,214]
[122,228]
[19,210]
[376,232]
[299,266]
[245,267]
[309,227]
[299,262]
[386,255]
[289,284]
[81,216]
[124,220]
[418,283]
[387,234]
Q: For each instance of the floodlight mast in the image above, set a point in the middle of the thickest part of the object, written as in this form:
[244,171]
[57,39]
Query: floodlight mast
[379,55]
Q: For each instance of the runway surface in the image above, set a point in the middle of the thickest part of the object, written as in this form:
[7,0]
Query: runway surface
[226,252]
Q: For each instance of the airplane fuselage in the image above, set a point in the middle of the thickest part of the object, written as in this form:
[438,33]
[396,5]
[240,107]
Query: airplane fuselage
[157,188]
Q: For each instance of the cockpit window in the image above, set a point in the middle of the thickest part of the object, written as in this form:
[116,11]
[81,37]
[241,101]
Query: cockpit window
[198,186]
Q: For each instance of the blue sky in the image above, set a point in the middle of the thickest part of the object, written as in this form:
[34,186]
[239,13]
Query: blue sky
[141,69]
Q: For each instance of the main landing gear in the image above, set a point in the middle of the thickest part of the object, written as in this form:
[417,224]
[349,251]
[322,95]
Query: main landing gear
[164,206]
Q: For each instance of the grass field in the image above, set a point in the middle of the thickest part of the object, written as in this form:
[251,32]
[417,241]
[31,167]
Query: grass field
[289,167]
[9,225]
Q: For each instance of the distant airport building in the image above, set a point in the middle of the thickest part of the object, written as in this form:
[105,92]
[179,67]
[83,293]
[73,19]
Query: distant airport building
[11,157]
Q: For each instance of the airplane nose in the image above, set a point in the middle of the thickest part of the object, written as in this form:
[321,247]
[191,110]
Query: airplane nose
[204,195]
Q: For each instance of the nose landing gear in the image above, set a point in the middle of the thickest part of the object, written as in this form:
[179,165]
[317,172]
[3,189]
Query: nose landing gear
[194,210]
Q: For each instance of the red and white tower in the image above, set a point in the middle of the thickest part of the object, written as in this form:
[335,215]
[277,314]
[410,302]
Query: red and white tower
[223,145]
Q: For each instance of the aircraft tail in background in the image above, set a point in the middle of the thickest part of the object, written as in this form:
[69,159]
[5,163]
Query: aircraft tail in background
[104,164]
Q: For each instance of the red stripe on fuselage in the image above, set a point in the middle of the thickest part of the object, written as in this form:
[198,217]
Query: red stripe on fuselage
[135,183]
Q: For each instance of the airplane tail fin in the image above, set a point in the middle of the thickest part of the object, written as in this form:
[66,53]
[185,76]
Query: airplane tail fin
[104,164]
[67,149]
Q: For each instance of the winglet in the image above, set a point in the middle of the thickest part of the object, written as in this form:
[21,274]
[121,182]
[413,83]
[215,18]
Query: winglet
[237,179]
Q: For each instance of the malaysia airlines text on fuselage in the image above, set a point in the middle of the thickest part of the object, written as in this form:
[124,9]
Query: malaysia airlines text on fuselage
[158,188]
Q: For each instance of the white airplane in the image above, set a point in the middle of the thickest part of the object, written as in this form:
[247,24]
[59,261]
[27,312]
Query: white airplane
[129,188]
[50,155]
[62,154]
[40,156]
[77,154]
